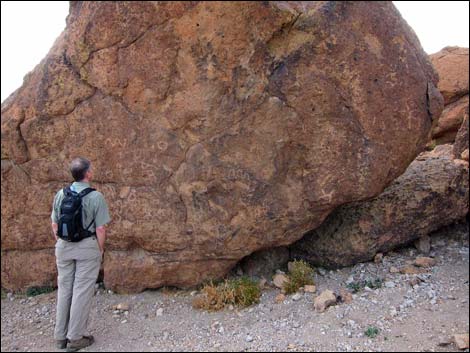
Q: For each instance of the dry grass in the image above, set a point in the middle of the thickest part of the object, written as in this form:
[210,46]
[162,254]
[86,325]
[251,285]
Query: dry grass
[240,291]
[300,274]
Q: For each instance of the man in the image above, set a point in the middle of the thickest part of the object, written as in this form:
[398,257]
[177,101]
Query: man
[78,263]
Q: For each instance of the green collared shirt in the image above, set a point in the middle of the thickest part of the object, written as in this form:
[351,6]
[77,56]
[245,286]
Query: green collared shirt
[93,205]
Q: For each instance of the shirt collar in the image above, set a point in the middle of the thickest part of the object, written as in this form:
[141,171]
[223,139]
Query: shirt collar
[81,184]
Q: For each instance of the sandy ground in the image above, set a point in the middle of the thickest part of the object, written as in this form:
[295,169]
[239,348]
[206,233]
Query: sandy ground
[419,317]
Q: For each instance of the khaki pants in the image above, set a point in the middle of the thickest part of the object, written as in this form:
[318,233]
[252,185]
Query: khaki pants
[78,265]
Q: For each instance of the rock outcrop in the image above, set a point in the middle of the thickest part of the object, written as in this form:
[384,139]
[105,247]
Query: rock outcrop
[432,193]
[214,129]
[452,65]
[462,140]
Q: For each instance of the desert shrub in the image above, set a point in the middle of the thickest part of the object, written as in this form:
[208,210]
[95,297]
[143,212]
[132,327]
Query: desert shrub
[241,291]
[300,274]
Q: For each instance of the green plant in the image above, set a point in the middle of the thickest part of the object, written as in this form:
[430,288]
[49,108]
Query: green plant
[241,291]
[300,274]
[374,284]
[33,291]
[371,283]
[371,332]
[354,286]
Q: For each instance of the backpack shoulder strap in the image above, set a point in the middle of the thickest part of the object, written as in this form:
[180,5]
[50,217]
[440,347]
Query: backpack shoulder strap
[67,191]
[85,192]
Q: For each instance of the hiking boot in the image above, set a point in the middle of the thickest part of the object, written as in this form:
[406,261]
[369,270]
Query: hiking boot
[61,344]
[75,345]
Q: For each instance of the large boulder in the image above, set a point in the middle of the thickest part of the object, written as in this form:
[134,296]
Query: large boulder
[215,129]
[432,193]
[452,64]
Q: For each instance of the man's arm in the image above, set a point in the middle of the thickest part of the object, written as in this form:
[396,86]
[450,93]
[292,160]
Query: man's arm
[55,227]
[101,235]
[54,217]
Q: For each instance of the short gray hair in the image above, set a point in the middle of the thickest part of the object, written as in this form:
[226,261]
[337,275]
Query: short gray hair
[79,167]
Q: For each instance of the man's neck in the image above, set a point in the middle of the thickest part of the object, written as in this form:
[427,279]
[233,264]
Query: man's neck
[84,181]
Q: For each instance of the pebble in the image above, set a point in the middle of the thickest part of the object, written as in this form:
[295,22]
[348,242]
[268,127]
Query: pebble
[389,284]
[296,297]
[249,338]
[160,312]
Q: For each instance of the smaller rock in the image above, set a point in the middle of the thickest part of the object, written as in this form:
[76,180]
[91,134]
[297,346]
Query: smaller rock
[423,244]
[410,270]
[424,262]
[279,280]
[464,155]
[121,307]
[123,321]
[461,340]
[262,282]
[324,300]
[389,284]
[393,269]
[378,258]
[249,338]
[296,297]
[310,288]
[280,298]
[443,342]
[160,312]
[345,296]
[10,296]
[414,281]
[193,293]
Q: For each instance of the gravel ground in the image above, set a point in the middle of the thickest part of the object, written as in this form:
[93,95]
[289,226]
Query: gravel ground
[419,317]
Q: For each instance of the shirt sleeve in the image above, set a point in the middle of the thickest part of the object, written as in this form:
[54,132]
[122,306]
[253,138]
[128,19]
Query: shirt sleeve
[102,212]
[55,209]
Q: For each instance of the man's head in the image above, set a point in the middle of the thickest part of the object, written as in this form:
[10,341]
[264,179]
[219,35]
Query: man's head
[81,169]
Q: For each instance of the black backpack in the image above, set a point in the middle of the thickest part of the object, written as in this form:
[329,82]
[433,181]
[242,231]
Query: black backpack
[70,220]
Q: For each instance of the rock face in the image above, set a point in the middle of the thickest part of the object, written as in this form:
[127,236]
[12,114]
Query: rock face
[265,262]
[451,64]
[214,129]
[462,139]
[432,193]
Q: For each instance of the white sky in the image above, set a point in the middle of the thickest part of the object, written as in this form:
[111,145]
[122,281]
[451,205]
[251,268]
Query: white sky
[29,28]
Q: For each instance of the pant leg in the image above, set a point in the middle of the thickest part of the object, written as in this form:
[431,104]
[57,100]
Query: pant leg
[65,281]
[88,261]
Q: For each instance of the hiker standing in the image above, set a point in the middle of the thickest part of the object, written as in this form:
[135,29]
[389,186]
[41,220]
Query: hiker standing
[79,214]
